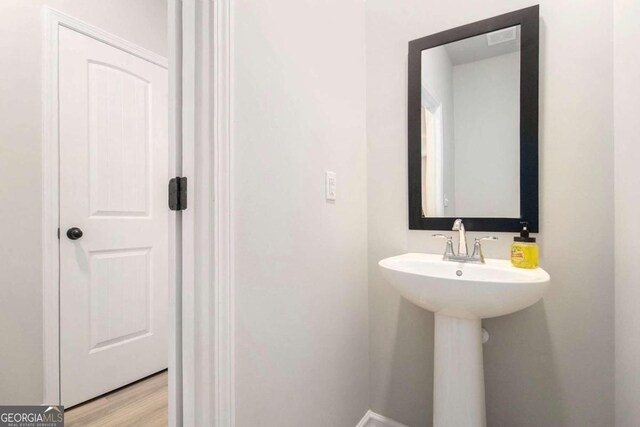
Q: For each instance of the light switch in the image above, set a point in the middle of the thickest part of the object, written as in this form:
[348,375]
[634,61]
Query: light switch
[330,185]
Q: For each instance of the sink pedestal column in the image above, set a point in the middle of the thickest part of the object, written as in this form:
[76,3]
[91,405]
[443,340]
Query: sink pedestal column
[458,395]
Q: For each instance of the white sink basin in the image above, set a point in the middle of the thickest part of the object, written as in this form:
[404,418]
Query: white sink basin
[461,294]
[471,291]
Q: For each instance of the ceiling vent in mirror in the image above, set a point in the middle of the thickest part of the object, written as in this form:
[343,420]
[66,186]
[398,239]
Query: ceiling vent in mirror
[501,36]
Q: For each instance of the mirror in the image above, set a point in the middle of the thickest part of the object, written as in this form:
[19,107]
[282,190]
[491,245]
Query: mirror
[473,125]
[470,127]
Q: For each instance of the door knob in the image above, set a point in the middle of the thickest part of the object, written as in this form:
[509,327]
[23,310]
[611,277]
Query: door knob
[74,233]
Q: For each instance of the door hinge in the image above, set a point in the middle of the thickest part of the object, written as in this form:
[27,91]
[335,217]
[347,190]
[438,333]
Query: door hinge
[178,193]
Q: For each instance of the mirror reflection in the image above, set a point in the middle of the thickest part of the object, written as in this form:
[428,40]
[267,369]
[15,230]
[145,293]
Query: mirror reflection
[470,127]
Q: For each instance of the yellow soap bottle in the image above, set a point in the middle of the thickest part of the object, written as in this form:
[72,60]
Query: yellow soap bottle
[524,250]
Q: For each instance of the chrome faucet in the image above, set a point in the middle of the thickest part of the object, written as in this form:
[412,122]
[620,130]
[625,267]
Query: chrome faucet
[463,256]
[462,239]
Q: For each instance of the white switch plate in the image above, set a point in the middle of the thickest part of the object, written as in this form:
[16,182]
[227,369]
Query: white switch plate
[330,185]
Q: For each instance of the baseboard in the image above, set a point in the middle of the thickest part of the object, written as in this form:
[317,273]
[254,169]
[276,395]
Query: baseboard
[371,419]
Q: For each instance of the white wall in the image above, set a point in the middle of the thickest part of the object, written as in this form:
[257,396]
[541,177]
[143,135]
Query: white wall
[486,115]
[302,355]
[627,207]
[552,364]
[143,22]
[437,79]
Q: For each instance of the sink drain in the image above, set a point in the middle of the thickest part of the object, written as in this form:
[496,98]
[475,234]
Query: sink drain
[459,273]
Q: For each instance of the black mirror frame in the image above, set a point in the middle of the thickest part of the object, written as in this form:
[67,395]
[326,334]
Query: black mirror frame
[528,19]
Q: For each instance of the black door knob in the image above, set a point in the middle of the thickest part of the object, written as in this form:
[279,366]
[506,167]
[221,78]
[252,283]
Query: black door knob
[74,233]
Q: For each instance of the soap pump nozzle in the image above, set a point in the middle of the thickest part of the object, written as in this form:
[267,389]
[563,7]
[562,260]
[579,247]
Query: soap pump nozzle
[524,234]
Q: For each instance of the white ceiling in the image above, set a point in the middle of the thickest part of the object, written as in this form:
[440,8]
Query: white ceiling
[477,48]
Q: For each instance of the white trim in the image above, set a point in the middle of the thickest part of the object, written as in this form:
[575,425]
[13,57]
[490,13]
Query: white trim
[56,17]
[224,296]
[371,419]
[50,210]
[207,305]
[189,309]
[52,20]
[175,138]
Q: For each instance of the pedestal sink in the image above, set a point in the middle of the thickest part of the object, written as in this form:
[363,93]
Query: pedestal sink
[460,295]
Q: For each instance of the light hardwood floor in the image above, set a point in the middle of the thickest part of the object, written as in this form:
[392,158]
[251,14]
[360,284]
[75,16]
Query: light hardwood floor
[144,403]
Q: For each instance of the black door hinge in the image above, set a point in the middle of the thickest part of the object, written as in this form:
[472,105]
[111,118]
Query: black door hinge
[178,193]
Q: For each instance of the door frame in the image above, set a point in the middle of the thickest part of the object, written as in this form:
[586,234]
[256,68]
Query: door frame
[201,300]
[436,160]
[204,50]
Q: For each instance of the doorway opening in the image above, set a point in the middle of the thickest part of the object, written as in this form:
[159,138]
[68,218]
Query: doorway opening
[111,257]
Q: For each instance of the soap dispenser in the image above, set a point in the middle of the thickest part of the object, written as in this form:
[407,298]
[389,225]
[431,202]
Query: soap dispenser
[524,250]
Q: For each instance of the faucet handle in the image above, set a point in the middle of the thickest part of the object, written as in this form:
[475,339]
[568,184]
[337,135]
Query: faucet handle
[477,247]
[448,251]
[479,239]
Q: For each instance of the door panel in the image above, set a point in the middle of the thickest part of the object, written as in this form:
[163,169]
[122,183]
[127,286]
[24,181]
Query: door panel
[119,142]
[120,296]
[114,169]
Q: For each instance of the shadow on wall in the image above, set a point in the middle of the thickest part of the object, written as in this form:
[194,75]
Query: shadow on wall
[528,364]
[519,357]
[409,352]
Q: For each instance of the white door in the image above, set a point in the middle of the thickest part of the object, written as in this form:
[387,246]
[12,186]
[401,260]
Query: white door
[114,169]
